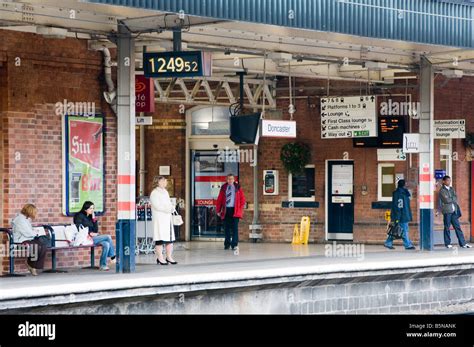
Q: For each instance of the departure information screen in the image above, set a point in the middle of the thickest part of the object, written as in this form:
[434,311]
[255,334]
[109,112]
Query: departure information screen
[390,134]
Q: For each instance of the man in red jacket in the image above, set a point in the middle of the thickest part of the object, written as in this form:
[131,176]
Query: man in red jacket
[230,207]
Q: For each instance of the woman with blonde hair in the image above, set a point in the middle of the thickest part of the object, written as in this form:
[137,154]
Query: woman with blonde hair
[163,231]
[23,233]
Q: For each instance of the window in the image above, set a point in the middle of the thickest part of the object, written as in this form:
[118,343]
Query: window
[445,155]
[210,121]
[386,182]
[301,186]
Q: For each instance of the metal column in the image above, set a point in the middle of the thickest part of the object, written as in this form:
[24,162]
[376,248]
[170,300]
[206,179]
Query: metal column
[125,150]
[426,159]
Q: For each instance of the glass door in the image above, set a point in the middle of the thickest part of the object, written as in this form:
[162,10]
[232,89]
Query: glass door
[208,174]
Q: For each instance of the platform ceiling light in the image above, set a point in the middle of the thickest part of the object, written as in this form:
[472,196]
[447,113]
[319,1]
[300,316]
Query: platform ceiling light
[451,73]
[280,57]
[51,32]
[375,65]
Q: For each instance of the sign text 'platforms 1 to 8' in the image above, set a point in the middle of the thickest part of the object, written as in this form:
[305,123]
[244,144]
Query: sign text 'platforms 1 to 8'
[177,64]
[348,117]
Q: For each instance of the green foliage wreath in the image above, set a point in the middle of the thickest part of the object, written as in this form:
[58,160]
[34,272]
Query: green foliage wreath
[295,156]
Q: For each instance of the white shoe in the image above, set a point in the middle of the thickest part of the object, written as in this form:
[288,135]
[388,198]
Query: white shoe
[467,246]
[449,246]
[32,270]
[104,268]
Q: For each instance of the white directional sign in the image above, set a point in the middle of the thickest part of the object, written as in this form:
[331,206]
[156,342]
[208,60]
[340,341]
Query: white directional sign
[450,129]
[411,143]
[390,154]
[348,117]
[144,120]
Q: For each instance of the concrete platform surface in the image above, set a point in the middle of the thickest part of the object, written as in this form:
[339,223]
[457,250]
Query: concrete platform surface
[205,265]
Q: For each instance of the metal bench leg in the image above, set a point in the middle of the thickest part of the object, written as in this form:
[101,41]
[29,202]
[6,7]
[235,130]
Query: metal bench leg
[11,264]
[53,264]
[92,266]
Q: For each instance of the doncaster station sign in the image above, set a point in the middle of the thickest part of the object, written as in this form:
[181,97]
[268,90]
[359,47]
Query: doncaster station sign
[348,117]
[278,128]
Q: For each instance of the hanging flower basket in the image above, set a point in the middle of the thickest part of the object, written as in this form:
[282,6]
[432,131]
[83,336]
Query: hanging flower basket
[469,144]
[295,156]
[469,140]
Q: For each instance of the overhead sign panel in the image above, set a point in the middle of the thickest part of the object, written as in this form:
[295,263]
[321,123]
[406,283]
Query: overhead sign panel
[177,64]
[348,117]
[450,129]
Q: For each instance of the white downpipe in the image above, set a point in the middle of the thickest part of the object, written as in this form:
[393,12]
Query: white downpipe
[111,94]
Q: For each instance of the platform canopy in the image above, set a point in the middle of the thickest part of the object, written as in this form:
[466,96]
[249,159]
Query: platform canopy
[368,41]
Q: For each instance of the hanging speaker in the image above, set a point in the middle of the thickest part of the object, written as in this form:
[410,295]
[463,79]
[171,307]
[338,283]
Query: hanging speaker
[244,129]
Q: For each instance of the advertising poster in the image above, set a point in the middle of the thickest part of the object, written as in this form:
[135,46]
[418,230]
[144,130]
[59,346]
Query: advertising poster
[84,163]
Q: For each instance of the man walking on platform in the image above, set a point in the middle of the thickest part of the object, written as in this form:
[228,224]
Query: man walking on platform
[401,213]
[230,207]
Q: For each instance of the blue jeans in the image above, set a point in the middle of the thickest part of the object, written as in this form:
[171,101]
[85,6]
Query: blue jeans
[108,249]
[448,219]
[406,239]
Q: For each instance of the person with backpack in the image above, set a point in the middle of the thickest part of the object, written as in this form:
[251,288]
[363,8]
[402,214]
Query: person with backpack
[401,214]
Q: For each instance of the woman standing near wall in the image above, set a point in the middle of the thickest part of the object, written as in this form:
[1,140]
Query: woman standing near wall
[163,230]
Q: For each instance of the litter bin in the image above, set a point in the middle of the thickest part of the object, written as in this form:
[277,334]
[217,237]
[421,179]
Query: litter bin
[125,239]
[177,227]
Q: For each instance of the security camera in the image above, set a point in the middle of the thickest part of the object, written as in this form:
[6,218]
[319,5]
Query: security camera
[215,146]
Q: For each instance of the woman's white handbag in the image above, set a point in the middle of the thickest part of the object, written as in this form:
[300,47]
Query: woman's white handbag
[83,238]
[177,219]
[71,232]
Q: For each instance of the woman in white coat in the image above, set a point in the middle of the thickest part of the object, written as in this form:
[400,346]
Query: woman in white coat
[163,231]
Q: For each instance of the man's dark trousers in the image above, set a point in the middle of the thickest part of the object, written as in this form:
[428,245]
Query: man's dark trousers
[452,218]
[231,228]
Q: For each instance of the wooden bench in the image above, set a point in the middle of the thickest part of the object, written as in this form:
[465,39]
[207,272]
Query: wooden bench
[49,229]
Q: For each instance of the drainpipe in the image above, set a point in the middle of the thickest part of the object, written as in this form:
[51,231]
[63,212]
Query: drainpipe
[255,228]
[142,159]
[111,94]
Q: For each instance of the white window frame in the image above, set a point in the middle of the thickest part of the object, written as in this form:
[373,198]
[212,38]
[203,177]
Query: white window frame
[379,182]
[290,186]
[449,153]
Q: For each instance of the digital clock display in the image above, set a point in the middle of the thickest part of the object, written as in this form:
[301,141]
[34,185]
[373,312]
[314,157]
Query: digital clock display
[177,64]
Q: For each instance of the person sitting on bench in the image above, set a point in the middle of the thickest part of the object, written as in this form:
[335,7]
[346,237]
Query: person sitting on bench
[86,218]
[23,233]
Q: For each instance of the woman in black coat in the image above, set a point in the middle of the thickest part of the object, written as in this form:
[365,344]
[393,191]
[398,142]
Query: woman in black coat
[86,218]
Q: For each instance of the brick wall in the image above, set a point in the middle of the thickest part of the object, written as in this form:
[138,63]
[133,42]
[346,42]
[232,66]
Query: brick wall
[165,143]
[50,71]
[35,73]
[166,146]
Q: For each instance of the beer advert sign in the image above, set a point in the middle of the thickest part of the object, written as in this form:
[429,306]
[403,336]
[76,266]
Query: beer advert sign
[84,163]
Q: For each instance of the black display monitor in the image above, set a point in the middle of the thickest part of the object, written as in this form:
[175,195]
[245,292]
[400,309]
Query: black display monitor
[390,134]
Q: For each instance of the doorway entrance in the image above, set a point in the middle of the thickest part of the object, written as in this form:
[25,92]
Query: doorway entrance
[208,148]
[208,174]
[339,200]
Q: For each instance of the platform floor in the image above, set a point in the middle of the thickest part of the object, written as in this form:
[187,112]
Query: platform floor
[209,258]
